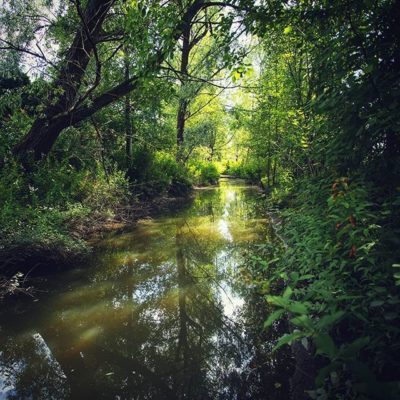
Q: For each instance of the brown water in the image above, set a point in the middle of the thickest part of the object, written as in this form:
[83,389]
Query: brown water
[168,310]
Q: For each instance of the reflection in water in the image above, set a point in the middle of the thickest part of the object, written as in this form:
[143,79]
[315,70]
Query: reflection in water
[161,312]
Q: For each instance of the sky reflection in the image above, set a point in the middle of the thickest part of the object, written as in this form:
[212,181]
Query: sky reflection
[159,312]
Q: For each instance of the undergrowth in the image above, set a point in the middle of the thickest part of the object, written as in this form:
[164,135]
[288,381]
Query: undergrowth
[43,213]
[340,270]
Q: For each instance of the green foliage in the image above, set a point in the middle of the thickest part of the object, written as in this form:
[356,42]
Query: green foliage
[337,267]
[324,124]
[204,173]
[251,171]
[157,174]
[41,209]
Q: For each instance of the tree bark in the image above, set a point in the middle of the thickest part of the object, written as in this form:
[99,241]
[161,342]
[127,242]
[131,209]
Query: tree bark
[46,129]
[128,120]
[183,102]
[67,109]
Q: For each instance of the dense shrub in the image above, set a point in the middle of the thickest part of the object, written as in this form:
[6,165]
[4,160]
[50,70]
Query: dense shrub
[207,173]
[251,171]
[157,174]
[340,254]
[204,172]
[40,210]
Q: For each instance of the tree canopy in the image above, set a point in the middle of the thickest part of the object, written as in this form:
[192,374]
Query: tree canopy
[106,105]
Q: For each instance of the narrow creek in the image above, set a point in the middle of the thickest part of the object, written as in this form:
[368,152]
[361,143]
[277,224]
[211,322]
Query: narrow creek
[167,310]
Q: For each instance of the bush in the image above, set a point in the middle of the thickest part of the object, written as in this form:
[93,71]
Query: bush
[250,171]
[158,174]
[204,173]
[208,173]
[341,288]
[39,210]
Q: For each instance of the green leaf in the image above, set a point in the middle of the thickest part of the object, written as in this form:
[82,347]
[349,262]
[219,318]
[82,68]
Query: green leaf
[351,350]
[329,320]
[287,339]
[325,345]
[376,303]
[389,316]
[298,308]
[273,317]
[294,276]
[278,301]
[306,277]
[302,321]
[287,30]
[288,292]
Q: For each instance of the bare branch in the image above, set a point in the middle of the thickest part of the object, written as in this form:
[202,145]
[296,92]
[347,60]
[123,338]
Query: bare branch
[13,47]
[95,53]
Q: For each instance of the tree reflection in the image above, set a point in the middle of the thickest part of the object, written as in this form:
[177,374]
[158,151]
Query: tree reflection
[160,314]
[20,361]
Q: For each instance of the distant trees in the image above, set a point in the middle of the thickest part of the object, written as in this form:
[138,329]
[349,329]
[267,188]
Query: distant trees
[325,98]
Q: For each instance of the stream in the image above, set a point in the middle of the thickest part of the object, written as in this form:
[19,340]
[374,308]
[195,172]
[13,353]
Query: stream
[166,310]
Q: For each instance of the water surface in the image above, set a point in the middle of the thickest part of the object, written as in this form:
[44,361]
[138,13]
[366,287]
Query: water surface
[167,310]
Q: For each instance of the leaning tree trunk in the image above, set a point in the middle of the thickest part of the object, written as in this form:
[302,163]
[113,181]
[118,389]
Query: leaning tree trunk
[40,139]
[65,106]
[45,130]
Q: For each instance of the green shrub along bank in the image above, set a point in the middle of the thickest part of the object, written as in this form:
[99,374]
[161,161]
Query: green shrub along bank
[47,213]
[342,285]
[155,174]
[204,173]
[158,174]
[323,125]
[252,171]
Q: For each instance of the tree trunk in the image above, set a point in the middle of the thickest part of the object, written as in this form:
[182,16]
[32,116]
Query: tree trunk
[128,120]
[183,102]
[269,162]
[67,109]
[274,173]
[180,128]
[45,131]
